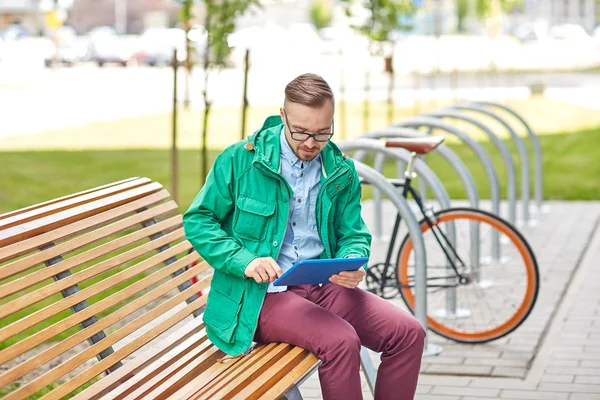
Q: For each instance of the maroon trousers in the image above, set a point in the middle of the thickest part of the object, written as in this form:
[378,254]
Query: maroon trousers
[333,322]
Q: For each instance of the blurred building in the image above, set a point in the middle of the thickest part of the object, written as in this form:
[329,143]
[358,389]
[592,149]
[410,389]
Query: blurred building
[19,12]
[127,16]
[582,12]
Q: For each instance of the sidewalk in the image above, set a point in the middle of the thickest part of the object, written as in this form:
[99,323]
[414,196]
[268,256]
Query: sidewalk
[555,354]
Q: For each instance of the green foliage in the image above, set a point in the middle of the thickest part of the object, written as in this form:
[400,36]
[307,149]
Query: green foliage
[484,8]
[462,11]
[384,17]
[320,14]
[219,24]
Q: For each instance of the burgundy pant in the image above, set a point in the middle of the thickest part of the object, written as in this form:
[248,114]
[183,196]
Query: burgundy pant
[332,322]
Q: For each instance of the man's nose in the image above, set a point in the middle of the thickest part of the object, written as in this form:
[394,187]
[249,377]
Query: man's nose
[311,142]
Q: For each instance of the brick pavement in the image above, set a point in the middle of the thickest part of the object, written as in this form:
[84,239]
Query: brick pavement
[555,354]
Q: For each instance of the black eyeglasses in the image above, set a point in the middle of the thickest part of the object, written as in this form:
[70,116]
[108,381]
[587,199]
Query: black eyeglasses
[303,137]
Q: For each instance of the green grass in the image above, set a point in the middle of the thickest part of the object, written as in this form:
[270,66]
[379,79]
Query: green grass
[571,170]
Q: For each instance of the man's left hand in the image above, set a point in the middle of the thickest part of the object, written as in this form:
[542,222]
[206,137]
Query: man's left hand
[348,279]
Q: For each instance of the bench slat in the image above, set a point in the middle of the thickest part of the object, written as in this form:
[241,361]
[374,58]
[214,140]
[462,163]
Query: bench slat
[72,202]
[261,382]
[242,379]
[34,243]
[248,363]
[172,379]
[55,308]
[213,373]
[137,365]
[67,247]
[283,385]
[116,336]
[68,216]
[59,199]
[55,287]
[61,347]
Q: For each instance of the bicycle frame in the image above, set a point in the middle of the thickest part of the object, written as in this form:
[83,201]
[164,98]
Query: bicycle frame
[440,236]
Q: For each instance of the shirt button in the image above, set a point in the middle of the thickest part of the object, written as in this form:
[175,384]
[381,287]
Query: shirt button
[295,247]
[293,224]
[275,243]
[299,200]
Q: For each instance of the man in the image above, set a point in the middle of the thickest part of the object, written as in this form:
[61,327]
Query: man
[284,195]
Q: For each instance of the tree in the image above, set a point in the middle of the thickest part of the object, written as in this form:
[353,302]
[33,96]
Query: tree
[219,22]
[320,14]
[462,12]
[383,18]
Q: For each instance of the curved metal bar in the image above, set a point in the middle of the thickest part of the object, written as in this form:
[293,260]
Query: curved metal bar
[444,151]
[403,156]
[476,147]
[521,148]
[537,152]
[481,155]
[414,230]
[502,148]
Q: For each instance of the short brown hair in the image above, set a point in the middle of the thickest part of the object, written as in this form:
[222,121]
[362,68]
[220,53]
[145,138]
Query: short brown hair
[309,90]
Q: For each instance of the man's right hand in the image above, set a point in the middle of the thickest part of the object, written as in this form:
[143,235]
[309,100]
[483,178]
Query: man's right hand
[263,269]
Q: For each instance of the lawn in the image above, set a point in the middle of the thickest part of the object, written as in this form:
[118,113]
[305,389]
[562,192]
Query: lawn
[571,170]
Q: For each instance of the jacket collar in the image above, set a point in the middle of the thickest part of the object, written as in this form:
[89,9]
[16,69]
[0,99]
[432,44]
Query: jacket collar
[267,148]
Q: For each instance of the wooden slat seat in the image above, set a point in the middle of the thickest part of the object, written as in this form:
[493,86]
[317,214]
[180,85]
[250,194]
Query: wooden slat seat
[97,301]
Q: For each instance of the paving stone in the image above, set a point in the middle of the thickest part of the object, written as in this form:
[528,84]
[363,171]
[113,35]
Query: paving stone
[595,380]
[497,362]
[510,371]
[569,387]
[557,378]
[466,391]
[533,395]
[460,370]
[444,380]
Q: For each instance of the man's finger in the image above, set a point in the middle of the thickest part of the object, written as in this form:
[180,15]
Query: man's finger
[275,267]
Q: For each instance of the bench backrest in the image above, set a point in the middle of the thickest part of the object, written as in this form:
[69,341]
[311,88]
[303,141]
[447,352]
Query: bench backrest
[89,279]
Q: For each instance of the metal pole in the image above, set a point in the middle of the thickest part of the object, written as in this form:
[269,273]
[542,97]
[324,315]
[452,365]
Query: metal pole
[521,149]
[537,153]
[120,16]
[245,94]
[500,145]
[174,163]
[376,179]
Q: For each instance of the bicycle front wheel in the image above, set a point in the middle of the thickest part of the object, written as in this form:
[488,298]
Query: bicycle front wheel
[471,297]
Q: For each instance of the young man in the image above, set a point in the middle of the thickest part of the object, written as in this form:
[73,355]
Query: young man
[284,195]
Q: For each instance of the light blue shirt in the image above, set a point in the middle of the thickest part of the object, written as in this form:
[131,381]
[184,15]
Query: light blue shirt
[301,241]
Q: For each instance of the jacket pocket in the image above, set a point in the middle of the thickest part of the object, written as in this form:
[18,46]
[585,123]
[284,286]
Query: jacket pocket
[222,311]
[252,218]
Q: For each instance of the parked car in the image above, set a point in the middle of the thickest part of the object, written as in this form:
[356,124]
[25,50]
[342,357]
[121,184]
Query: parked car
[122,50]
[158,44]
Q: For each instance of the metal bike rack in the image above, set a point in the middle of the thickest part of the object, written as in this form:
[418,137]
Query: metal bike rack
[502,148]
[521,149]
[440,193]
[481,155]
[402,156]
[444,151]
[414,230]
[537,154]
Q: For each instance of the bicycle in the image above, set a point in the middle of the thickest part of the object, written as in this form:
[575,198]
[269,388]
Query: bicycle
[462,292]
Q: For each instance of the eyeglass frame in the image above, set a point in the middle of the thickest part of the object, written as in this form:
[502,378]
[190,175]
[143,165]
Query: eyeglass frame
[308,135]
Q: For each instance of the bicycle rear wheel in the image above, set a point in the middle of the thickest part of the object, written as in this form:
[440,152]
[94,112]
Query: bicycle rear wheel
[497,296]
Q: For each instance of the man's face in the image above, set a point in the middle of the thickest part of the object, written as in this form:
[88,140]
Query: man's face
[304,119]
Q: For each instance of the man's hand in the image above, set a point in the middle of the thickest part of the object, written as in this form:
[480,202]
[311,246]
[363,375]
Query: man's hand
[348,279]
[263,269]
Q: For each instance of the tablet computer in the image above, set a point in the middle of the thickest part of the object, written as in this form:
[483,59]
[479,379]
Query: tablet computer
[307,272]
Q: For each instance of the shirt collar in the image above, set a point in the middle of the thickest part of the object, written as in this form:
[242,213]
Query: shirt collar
[288,154]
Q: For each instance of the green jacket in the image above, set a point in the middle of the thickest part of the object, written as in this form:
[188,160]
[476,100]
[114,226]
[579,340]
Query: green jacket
[241,213]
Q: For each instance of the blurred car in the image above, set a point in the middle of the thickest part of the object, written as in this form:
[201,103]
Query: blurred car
[529,32]
[14,32]
[158,44]
[69,53]
[568,32]
[121,50]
